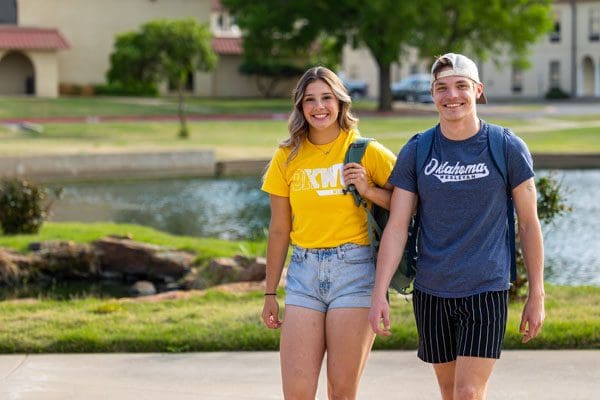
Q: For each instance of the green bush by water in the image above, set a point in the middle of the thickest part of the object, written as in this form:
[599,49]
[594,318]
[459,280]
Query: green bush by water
[21,206]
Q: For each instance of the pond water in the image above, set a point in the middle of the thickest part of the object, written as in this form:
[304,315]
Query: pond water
[572,242]
[236,208]
[223,208]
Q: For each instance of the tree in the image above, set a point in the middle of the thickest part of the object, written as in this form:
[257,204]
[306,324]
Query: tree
[388,28]
[269,74]
[163,50]
[385,27]
[279,42]
[489,29]
[284,28]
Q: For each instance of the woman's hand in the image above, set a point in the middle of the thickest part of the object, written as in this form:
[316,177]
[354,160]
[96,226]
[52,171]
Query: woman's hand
[270,313]
[355,174]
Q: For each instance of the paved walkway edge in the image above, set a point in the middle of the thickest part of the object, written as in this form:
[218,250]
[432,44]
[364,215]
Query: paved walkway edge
[519,375]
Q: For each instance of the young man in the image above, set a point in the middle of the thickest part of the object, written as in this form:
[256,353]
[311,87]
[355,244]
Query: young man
[461,287]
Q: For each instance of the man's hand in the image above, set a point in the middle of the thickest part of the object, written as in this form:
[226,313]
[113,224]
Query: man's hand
[532,318]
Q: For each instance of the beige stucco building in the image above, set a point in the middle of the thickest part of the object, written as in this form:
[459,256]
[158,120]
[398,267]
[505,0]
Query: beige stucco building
[568,58]
[68,42]
[88,29]
[36,57]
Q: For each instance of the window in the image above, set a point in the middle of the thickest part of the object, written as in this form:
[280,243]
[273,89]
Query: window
[555,34]
[8,12]
[554,74]
[517,80]
[225,23]
[594,34]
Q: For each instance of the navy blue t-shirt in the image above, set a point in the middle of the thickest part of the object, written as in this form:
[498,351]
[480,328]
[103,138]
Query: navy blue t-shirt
[463,241]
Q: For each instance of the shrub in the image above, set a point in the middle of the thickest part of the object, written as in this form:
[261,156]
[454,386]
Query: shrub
[131,89]
[22,206]
[551,203]
[87,90]
[74,89]
[556,93]
[69,89]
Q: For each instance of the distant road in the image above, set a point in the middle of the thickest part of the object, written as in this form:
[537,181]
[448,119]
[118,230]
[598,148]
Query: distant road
[504,110]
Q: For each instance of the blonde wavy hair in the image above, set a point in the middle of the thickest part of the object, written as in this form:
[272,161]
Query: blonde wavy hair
[298,126]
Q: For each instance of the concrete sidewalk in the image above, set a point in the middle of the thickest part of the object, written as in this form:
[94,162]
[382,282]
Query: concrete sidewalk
[565,375]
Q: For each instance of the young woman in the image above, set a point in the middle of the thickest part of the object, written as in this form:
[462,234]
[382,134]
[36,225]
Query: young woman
[331,274]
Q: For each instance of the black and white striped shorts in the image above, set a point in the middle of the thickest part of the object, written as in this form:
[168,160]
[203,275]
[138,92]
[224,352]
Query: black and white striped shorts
[470,326]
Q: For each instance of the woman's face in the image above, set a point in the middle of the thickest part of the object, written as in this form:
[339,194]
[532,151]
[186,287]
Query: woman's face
[320,106]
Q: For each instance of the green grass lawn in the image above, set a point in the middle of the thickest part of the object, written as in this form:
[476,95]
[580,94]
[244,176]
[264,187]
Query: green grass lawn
[213,320]
[217,321]
[237,139]
[579,140]
[22,107]
[252,139]
[205,248]
[26,107]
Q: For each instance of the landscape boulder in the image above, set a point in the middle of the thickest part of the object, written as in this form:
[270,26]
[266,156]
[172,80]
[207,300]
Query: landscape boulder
[128,258]
[148,268]
[13,266]
[227,270]
[64,258]
[142,288]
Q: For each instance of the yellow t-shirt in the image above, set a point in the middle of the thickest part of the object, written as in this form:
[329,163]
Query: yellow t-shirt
[322,216]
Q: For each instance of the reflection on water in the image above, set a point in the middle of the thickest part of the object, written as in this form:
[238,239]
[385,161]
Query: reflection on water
[59,290]
[572,242]
[223,208]
[236,208]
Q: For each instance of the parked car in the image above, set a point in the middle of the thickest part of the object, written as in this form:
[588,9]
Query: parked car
[357,88]
[413,88]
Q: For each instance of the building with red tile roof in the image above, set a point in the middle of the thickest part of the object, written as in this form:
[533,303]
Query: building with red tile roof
[24,38]
[50,44]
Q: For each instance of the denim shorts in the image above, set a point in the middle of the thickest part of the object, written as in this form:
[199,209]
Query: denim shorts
[337,277]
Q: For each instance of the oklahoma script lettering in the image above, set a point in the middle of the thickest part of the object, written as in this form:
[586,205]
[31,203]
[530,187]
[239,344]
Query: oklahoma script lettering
[447,172]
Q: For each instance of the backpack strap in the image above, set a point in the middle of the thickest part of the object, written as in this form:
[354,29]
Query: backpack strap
[496,144]
[424,145]
[355,153]
[423,151]
[497,150]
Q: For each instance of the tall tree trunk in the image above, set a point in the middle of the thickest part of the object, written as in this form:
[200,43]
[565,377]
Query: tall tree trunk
[385,93]
[183,129]
[266,85]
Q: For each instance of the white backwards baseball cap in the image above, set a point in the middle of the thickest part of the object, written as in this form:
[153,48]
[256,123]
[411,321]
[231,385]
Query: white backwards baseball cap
[459,66]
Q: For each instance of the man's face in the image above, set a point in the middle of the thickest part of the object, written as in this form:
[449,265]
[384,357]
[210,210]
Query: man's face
[455,97]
